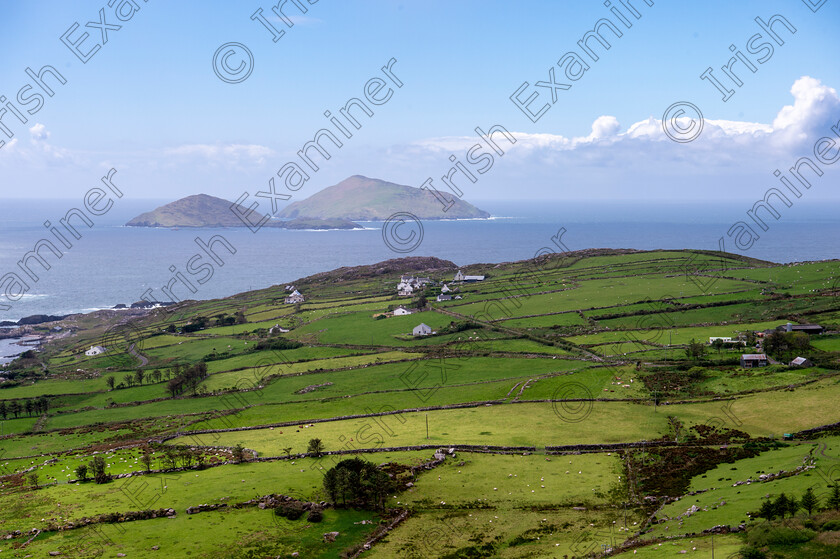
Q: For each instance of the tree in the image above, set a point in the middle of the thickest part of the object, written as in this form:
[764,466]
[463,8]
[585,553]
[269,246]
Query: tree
[43,404]
[32,478]
[14,408]
[358,481]
[186,456]
[695,350]
[785,505]
[718,345]
[97,467]
[767,511]
[200,459]
[809,501]
[3,411]
[110,382]
[128,379]
[833,502]
[139,375]
[288,451]
[146,460]
[238,453]
[168,458]
[316,447]
[81,472]
[156,375]
[793,506]
[28,406]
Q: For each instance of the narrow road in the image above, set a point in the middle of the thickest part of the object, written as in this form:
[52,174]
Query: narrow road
[143,360]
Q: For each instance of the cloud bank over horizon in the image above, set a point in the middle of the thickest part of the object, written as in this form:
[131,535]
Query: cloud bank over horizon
[611,162]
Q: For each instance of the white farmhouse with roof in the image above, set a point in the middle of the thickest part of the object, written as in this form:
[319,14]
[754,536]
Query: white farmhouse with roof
[422,329]
[402,311]
[95,350]
[295,297]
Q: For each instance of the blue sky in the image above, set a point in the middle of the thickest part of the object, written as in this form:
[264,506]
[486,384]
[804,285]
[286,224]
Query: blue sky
[149,104]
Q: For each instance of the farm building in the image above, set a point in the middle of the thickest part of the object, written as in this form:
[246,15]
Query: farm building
[445,289]
[726,340]
[801,362]
[806,328]
[402,311]
[294,297]
[95,350]
[444,297]
[461,277]
[422,329]
[750,360]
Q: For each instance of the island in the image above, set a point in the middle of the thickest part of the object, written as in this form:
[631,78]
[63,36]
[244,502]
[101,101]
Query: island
[359,198]
[202,210]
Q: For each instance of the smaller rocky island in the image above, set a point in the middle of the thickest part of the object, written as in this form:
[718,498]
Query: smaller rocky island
[202,210]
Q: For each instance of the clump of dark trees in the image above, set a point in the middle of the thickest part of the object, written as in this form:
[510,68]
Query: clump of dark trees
[188,378]
[784,346]
[783,505]
[35,406]
[358,483]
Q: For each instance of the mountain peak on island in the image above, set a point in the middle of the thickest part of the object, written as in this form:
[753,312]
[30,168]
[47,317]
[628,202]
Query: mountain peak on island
[198,210]
[203,210]
[361,198]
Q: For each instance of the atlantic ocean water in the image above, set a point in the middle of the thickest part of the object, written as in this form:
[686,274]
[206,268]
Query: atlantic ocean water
[114,264]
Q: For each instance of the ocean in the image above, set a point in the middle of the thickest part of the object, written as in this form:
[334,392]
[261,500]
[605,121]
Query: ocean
[114,264]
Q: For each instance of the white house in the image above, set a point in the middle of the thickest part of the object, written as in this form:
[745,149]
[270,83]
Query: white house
[95,350]
[405,289]
[801,362]
[444,297]
[402,311]
[422,329]
[277,328]
[295,297]
[445,289]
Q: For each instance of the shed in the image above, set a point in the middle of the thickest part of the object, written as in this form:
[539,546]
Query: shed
[750,360]
[801,362]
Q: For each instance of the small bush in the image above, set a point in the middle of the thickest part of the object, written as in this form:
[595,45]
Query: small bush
[291,511]
[831,526]
[315,516]
[751,552]
[778,535]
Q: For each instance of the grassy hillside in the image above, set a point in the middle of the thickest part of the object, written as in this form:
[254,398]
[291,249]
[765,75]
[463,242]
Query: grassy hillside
[523,378]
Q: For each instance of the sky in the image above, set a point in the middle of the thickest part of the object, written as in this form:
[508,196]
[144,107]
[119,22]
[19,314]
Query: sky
[149,104]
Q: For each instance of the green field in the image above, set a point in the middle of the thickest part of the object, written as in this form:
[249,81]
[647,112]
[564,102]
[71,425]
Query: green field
[584,350]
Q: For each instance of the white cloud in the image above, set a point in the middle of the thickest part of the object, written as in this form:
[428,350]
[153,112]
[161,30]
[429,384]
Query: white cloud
[39,133]
[230,153]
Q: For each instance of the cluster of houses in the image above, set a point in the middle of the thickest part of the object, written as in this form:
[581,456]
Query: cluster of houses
[751,360]
[409,284]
